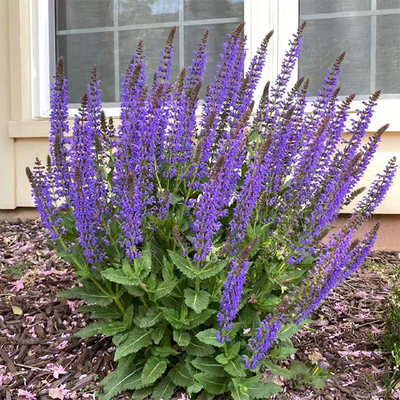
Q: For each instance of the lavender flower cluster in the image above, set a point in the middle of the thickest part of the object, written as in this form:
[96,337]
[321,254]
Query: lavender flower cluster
[237,181]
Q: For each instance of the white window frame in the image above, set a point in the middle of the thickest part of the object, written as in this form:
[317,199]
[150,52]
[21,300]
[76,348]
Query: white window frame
[260,15]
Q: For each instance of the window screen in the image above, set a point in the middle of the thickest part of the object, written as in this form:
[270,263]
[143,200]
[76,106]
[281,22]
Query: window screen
[106,33]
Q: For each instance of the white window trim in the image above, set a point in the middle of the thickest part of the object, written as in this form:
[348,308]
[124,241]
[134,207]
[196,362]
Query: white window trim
[261,16]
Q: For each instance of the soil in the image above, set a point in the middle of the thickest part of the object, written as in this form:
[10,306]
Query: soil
[40,358]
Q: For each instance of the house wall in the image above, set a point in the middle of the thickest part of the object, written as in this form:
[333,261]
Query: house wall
[22,137]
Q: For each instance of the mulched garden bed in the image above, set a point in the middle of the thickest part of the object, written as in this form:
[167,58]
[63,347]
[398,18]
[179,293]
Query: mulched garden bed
[40,358]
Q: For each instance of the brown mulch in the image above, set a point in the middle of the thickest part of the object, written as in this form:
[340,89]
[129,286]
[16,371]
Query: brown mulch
[40,358]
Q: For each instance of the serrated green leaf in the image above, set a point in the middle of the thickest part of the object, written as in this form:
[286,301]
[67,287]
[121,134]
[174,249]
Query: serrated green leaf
[144,263]
[127,269]
[152,370]
[163,351]
[235,367]
[221,358]
[136,291]
[89,293]
[128,317]
[195,388]
[181,375]
[287,331]
[174,318]
[212,269]
[118,339]
[209,336]
[163,289]
[141,394]
[237,392]
[263,390]
[117,276]
[97,312]
[125,377]
[113,328]
[276,369]
[233,351]
[152,316]
[197,301]
[183,264]
[94,328]
[181,338]
[164,390]
[134,341]
[282,352]
[197,348]
[209,365]
[158,334]
[197,319]
[213,384]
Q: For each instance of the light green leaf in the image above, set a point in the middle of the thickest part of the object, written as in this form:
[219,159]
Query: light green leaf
[212,269]
[213,384]
[287,331]
[152,316]
[163,289]
[195,388]
[209,336]
[197,301]
[181,375]
[134,341]
[237,391]
[164,390]
[89,293]
[152,370]
[282,352]
[144,263]
[183,264]
[276,369]
[209,365]
[182,338]
[127,269]
[157,334]
[197,348]
[163,351]
[263,390]
[235,367]
[117,276]
[95,328]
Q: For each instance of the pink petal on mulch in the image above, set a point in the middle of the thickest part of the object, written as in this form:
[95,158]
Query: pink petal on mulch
[56,369]
[26,394]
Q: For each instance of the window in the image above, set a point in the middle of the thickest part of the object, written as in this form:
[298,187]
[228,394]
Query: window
[106,33]
[369,32]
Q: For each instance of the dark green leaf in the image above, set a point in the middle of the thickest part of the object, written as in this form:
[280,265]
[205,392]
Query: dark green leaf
[153,369]
[95,328]
[128,316]
[141,394]
[213,384]
[157,334]
[276,369]
[183,264]
[164,390]
[197,348]
[197,301]
[152,316]
[173,317]
[135,340]
[89,292]
[209,336]
[212,269]
[181,375]
[195,388]
[117,276]
[209,365]
[197,319]
[163,351]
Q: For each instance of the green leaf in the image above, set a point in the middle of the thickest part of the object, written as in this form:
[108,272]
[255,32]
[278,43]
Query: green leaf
[144,263]
[163,289]
[136,291]
[195,388]
[182,338]
[282,352]
[173,317]
[197,301]
[197,348]
[209,365]
[164,390]
[212,269]
[183,264]
[158,334]
[267,305]
[152,370]
[237,391]
[125,377]
[197,319]
[235,367]
[117,276]
[276,369]
[213,384]
[134,341]
[141,394]
[233,351]
[113,328]
[221,358]
[287,331]
[263,390]
[95,328]
[209,336]
[181,375]
[127,269]
[152,316]
[128,317]
[164,351]
[100,312]
[89,292]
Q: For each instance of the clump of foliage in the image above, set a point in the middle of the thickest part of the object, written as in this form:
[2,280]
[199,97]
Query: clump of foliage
[197,241]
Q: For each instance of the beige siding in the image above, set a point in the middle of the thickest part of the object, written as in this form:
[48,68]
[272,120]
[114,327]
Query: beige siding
[23,138]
